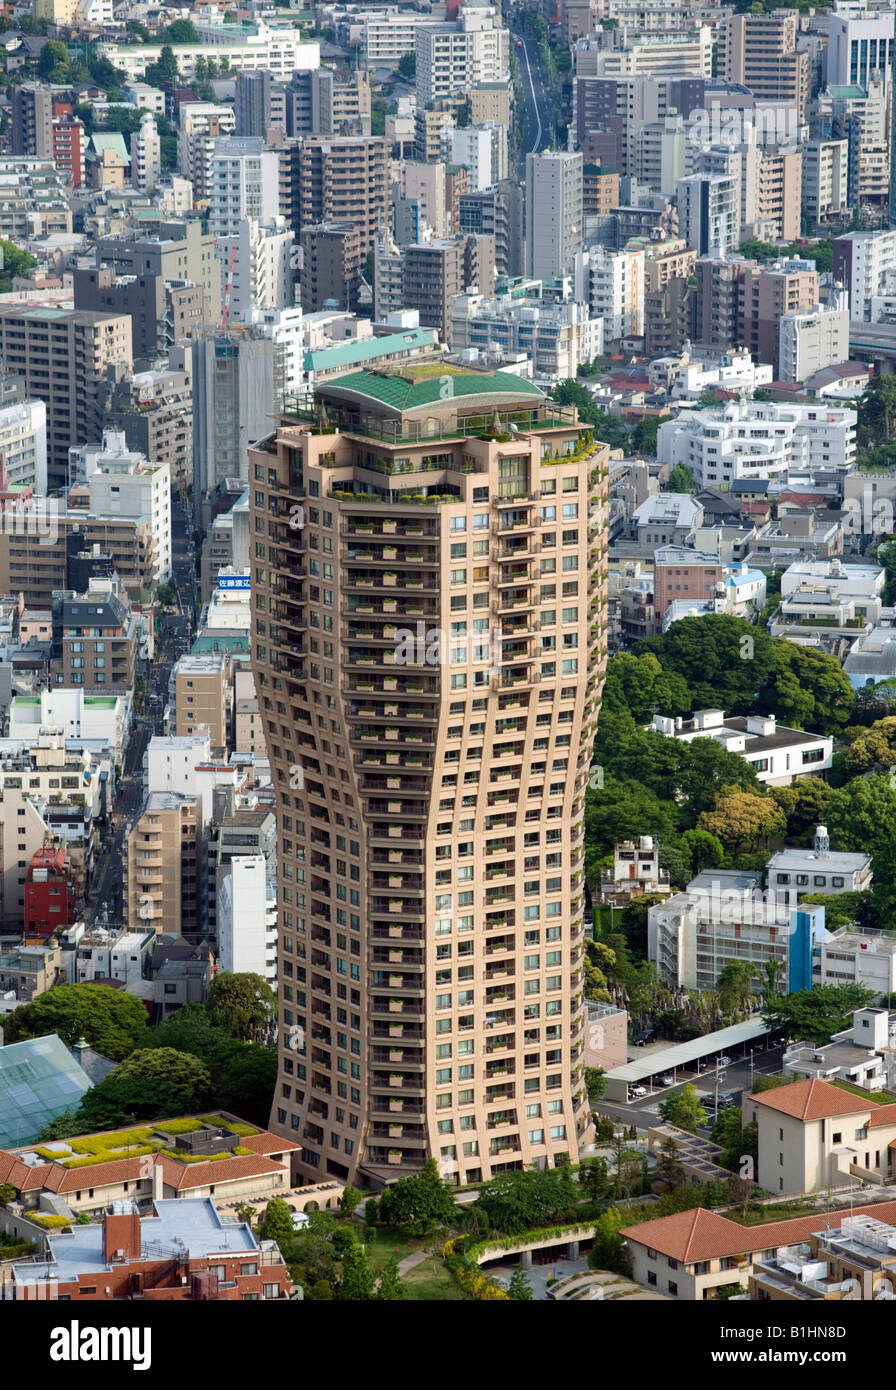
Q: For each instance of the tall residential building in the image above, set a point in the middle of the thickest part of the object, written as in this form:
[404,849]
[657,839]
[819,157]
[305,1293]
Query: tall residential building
[435,271]
[611,283]
[708,213]
[497,212]
[861,116]
[201,700]
[741,303]
[242,183]
[200,125]
[759,50]
[331,265]
[343,180]
[63,356]
[233,399]
[31,131]
[456,55]
[814,338]
[146,154]
[247,917]
[825,181]
[863,261]
[260,104]
[554,213]
[432,799]
[120,482]
[166,865]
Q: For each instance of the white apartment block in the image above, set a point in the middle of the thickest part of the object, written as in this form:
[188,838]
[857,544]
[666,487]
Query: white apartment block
[852,957]
[182,764]
[23,446]
[123,483]
[612,284]
[792,872]
[262,257]
[278,51]
[860,44]
[285,329]
[146,154]
[556,337]
[424,184]
[98,719]
[709,213]
[757,439]
[482,149]
[825,179]
[814,338]
[847,581]
[243,182]
[200,125]
[696,370]
[554,216]
[455,56]
[866,260]
[386,35]
[689,51]
[145,98]
[777,754]
[247,918]
[660,153]
[721,917]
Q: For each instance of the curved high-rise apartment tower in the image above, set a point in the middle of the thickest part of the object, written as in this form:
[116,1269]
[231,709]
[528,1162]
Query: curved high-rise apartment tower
[429,572]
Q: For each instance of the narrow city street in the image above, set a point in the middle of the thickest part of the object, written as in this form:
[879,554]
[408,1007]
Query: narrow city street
[175,634]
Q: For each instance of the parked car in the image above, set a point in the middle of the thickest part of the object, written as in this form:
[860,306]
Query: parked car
[635,1091]
[644,1037]
[665,1080]
[723,1062]
[727,1099]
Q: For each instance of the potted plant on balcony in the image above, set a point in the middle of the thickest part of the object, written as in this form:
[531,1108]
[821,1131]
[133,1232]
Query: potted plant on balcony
[390,577]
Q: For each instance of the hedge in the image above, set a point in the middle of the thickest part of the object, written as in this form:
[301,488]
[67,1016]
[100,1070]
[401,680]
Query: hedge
[52,1223]
[183,1157]
[93,1159]
[545,1234]
[245,1131]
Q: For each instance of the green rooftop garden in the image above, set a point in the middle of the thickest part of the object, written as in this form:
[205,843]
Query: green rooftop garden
[143,1139]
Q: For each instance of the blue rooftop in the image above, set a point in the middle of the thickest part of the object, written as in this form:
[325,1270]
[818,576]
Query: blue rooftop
[188,1226]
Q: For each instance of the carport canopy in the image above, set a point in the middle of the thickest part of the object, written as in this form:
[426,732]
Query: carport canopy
[683,1055]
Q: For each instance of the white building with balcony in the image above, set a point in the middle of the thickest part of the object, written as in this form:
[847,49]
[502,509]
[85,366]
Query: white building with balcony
[757,439]
[247,918]
[776,753]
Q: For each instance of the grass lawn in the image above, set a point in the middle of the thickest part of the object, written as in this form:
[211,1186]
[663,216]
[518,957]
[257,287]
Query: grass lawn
[784,1211]
[875,1097]
[430,1281]
[389,1241]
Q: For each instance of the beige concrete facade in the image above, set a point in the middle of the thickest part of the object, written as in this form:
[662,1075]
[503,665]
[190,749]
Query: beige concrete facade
[430,807]
[760,52]
[201,697]
[63,357]
[165,866]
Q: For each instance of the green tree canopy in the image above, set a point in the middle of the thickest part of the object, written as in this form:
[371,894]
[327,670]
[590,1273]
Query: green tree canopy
[725,661]
[180,31]
[684,1109]
[681,479]
[744,820]
[860,816]
[15,262]
[276,1224]
[418,1202]
[111,1020]
[815,1015]
[151,1084]
[244,1005]
[528,1198]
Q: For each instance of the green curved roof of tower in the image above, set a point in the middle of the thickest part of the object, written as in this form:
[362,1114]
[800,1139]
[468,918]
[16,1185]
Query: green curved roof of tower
[402,394]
